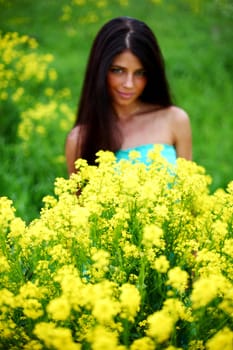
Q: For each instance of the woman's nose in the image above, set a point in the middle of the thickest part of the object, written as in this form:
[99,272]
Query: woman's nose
[128,82]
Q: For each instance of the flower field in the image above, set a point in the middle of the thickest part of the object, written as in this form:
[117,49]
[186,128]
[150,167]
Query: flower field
[141,258]
[119,256]
[43,53]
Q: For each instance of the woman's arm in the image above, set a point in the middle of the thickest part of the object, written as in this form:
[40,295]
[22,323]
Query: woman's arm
[182,134]
[71,150]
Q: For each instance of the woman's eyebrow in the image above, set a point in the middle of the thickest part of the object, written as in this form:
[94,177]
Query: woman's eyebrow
[120,66]
[117,65]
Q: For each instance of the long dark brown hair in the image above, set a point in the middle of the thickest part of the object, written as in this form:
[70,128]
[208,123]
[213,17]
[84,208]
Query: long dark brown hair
[95,116]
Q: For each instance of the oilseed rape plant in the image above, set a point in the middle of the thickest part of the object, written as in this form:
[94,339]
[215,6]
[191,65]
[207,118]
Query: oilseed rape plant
[35,116]
[124,256]
[28,95]
[90,11]
[22,66]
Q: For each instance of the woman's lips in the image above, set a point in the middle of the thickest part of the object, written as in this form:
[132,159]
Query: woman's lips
[126,95]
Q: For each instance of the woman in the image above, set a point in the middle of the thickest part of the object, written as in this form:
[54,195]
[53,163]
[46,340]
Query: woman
[125,101]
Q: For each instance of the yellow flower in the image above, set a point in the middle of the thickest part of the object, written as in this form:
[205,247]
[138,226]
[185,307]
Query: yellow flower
[100,258]
[196,345]
[207,288]
[40,130]
[29,299]
[4,95]
[87,254]
[30,290]
[55,337]
[35,119]
[153,235]
[4,265]
[130,250]
[52,74]
[228,247]
[32,308]
[79,2]
[227,304]
[133,155]
[18,94]
[100,264]
[7,327]
[105,158]
[33,345]
[7,212]
[155,154]
[7,298]
[221,340]
[178,279]
[219,231]
[161,264]
[49,91]
[176,309]
[209,261]
[124,3]
[160,326]
[101,338]
[101,3]
[130,300]
[17,228]
[144,343]
[105,309]
[49,202]
[59,254]
[71,284]
[59,308]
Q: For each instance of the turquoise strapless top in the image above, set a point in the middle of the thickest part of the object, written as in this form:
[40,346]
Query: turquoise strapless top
[168,152]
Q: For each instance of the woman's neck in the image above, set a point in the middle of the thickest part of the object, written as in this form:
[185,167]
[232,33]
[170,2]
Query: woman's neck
[127,113]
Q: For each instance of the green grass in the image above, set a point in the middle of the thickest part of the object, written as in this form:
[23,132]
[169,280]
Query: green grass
[197,46]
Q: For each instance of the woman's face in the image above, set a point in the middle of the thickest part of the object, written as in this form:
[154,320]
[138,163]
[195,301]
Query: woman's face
[126,79]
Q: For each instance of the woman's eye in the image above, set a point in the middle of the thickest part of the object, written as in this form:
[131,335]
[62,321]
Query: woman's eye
[140,73]
[116,70]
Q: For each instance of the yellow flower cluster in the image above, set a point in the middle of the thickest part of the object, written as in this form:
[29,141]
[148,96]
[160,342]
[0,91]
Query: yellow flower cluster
[141,258]
[24,70]
[90,11]
[19,63]
[37,120]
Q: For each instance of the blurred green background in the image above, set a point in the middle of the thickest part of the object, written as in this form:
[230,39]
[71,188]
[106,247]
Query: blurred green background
[40,85]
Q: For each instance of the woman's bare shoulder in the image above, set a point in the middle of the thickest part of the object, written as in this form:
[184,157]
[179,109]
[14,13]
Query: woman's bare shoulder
[182,133]
[72,139]
[178,115]
[71,149]
[171,114]
[73,134]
